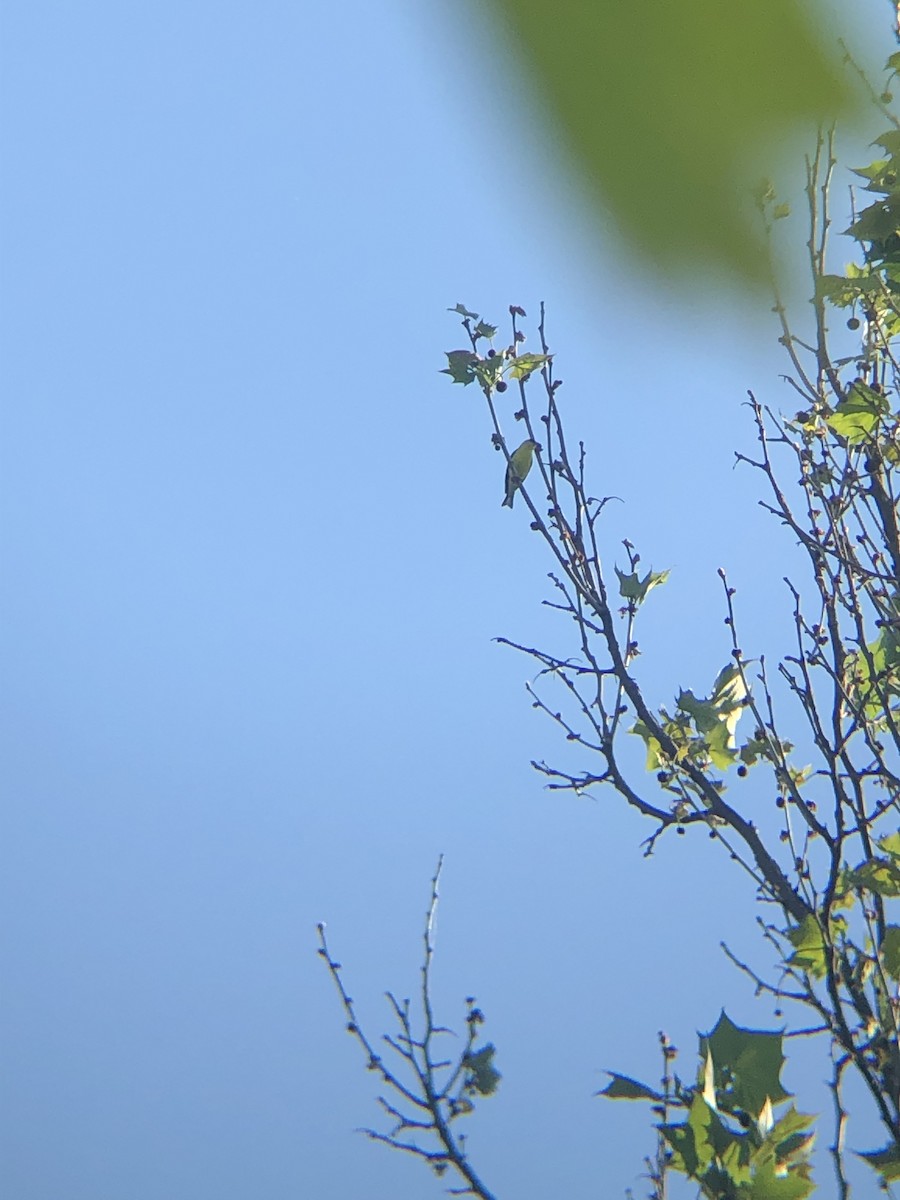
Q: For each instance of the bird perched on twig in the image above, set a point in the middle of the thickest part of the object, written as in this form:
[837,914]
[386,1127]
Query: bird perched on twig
[517,468]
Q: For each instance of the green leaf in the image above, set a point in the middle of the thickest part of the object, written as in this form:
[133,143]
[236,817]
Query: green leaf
[701,84]
[632,587]
[524,364]
[878,222]
[881,175]
[483,330]
[464,312]
[858,414]
[747,1065]
[489,370]
[770,1182]
[842,291]
[880,875]
[889,140]
[483,1076]
[809,947]
[654,760]
[461,366]
[621,1087]
[890,951]
[690,1141]
[886,1162]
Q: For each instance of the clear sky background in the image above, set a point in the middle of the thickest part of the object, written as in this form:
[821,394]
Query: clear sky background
[253,560]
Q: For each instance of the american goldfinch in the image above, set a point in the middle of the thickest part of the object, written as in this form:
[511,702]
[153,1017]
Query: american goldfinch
[518,467]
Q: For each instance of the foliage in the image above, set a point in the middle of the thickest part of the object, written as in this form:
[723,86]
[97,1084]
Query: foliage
[430,1093]
[658,114]
[828,878]
[730,1142]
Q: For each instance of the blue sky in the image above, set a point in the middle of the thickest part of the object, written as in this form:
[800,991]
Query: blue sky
[254,557]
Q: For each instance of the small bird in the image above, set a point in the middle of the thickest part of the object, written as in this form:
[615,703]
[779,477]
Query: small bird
[517,468]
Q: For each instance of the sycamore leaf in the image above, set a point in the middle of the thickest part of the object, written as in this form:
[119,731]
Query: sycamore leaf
[770,1182]
[461,366]
[632,587]
[654,760]
[890,951]
[878,222]
[880,875]
[809,947]
[886,1162]
[748,1065]
[858,414]
[483,1076]
[719,746]
[842,291]
[621,1087]
[524,364]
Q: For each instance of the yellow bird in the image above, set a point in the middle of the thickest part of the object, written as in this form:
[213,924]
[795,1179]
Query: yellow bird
[517,468]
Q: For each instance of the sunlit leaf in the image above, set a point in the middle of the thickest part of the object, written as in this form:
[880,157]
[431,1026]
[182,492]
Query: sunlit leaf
[858,414]
[809,947]
[523,365]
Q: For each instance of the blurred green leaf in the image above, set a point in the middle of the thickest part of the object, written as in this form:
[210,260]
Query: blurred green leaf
[809,947]
[666,115]
[858,414]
